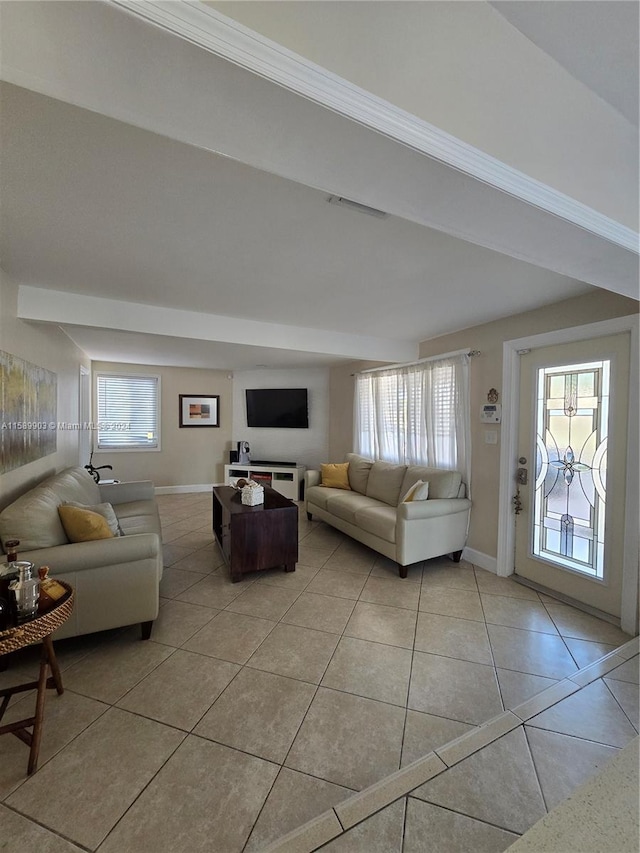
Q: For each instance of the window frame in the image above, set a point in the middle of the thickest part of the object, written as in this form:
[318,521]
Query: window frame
[130,448]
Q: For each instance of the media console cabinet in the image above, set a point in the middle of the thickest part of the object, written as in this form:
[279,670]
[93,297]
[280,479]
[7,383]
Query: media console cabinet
[285,479]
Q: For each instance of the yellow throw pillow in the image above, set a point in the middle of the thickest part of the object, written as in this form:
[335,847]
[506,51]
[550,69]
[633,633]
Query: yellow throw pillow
[105,510]
[418,492]
[335,475]
[83,525]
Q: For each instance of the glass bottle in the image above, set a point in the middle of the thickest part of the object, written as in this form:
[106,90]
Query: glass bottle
[50,590]
[12,550]
[25,590]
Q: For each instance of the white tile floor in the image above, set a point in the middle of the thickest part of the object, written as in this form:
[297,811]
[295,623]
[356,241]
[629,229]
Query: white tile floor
[258,706]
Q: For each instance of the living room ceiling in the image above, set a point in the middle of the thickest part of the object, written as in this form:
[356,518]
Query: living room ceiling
[116,220]
[219,237]
[597,28]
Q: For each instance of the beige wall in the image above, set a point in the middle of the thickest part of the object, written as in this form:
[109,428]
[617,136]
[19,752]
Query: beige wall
[188,456]
[486,373]
[46,346]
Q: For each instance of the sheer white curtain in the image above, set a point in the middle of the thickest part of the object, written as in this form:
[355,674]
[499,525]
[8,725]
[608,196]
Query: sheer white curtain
[416,415]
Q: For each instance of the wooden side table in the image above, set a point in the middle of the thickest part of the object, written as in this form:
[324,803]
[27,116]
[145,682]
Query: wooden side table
[23,635]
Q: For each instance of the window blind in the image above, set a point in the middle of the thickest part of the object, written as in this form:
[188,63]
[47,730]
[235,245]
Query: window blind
[416,414]
[127,411]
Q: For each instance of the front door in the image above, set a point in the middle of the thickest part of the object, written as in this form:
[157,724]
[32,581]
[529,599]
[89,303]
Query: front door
[573,428]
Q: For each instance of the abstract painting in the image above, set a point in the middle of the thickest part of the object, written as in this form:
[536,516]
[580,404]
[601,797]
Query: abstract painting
[28,412]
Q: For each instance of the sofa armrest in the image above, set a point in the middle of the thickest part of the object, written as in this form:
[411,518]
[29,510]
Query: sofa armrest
[121,493]
[312,478]
[80,556]
[413,510]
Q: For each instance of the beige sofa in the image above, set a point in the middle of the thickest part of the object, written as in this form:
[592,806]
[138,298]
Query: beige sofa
[372,511]
[116,581]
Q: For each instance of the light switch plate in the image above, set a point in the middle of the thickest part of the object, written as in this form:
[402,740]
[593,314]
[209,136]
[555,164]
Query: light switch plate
[491,436]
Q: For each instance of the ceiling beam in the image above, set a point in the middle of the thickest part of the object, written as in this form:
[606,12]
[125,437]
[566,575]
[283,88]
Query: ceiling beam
[144,75]
[225,37]
[63,308]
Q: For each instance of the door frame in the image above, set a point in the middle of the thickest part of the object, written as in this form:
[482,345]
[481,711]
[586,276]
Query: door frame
[509,451]
[84,413]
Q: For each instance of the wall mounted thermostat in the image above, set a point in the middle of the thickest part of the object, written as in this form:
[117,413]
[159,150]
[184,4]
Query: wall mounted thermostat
[491,413]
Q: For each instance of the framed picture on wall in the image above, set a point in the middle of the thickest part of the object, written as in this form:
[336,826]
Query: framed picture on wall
[202,410]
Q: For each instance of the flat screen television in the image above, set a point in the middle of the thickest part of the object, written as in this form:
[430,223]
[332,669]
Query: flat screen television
[281,408]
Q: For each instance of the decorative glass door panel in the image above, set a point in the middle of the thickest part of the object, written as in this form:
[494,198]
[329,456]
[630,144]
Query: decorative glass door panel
[572,412]
[573,434]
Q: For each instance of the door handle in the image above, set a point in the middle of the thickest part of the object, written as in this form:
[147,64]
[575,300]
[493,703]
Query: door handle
[522,476]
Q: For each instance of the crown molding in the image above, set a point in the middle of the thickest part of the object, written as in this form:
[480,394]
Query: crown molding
[212,31]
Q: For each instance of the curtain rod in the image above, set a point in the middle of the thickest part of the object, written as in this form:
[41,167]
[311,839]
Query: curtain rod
[471,353]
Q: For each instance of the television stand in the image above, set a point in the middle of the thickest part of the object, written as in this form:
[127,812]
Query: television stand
[273,462]
[284,477]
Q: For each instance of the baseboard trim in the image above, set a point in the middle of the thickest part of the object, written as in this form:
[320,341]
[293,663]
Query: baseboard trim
[484,561]
[181,490]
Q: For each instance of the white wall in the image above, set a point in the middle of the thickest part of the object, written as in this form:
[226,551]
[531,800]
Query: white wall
[46,346]
[308,447]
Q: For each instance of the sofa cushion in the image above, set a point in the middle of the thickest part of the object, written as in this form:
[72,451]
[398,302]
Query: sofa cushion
[74,484]
[335,475]
[345,506]
[138,517]
[379,521]
[83,525]
[442,484]
[139,524]
[385,481]
[359,469]
[33,518]
[320,496]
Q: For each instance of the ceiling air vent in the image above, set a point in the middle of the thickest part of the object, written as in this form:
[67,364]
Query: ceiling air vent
[355,205]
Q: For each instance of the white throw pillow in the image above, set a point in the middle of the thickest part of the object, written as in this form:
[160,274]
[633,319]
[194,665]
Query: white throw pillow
[418,492]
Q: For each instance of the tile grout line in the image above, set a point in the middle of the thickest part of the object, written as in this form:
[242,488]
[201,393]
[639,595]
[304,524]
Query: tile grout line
[504,828]
[544,604]
[14,810]
[406,710]
[405,815]
[141,792]
[64,746]
[603,680]
[535,768]
[304,717]
[491,652]
[464,814]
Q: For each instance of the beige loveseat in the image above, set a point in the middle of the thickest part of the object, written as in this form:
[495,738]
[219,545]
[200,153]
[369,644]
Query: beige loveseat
[116,580]
[372,510]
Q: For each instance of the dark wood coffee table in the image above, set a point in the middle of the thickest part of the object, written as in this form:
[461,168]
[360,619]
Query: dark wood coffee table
[255,537]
